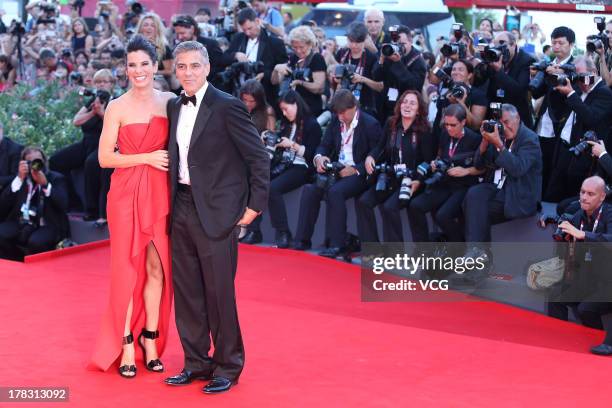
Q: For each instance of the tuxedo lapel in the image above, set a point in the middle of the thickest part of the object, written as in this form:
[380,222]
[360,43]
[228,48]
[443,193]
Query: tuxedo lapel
[203,115]
[261,47]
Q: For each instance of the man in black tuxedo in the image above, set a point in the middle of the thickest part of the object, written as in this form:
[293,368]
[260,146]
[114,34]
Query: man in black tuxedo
[219,175]
[10,153]
[348,139]
[253,44]
[38,201]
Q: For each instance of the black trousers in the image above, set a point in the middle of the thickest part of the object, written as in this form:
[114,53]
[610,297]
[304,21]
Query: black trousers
[203,273]
[389,207]
[445,202]
[335,197]
[483,206]
[289,180]
[589,313]
[97,185]
[14,236]
[547,145]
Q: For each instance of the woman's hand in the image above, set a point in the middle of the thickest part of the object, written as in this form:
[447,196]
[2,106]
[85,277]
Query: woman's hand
[369,164]
[282,69]
[285,143]
[458,172]
[158,159]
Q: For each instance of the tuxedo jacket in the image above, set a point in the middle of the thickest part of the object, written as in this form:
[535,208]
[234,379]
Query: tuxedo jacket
[10,154]
[228,166]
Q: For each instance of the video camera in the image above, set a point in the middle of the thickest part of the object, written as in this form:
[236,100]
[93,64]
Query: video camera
[455,47]
[583,147]
[553,80]
[330,175]
[394,47]
[598,41]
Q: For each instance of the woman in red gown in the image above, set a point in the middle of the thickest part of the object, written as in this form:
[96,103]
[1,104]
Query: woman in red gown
[138,211]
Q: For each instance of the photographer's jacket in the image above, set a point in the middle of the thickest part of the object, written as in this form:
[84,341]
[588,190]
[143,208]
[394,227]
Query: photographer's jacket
[594,113]
[365,137]
[408,73]
[460,153]
[521,163]
[602,232]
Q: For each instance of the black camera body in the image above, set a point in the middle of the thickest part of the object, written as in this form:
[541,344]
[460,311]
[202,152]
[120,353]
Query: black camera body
[18,29]
[569,75]
[344,75]
[496,113]
[443,76]
[101,94]
[431,176]
[493,54]
[270,140]
[600,40]
[583,147]
[559,235]
[248,68]
[330,175]
[454,48]
[459,90]
[297,74]
[36,165]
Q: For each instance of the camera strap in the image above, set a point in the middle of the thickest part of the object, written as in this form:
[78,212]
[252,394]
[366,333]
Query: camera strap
[360,66]
[25,208]
[453,146]
[596,223]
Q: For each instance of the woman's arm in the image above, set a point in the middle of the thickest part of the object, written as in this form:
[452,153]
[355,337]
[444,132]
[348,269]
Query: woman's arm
[89,43]
[82,116]
[317,86]
[271,119]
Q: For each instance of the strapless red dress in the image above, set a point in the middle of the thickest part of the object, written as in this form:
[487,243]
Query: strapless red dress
[138,212]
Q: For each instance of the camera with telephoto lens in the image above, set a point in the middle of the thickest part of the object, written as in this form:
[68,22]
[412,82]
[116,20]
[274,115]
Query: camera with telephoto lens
[443,76]
[583,146]
[493,54]
[36,165]
[234,71]
[18,29]
[598,41]
[455,47]
[459,90]
[431,176]
[330,175]
[394,47]
[569,74]
[490,125]
[297,74]
[559,235]
[344,75]
[384,174]
[405,176]
[101,94]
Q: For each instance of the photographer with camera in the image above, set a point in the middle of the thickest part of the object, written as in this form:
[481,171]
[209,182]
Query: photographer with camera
[355,67]
[340,164]
[85,153]
[305,71]
[38,202]
[446,180]
[291,150]
[255,44]
[553,112]
[511,154]
[406,142]
[270,17]
[401,67]
[253,95]
[507,69]
[374,20]
[599,47]
[589,100]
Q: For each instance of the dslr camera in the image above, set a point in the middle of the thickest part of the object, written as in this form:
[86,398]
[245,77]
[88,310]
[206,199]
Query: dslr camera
[583,147]
[600,40]
[569,75]
[455,47]
[92,94]
[394,47]
[431,176]
[297,74]
[344,75]
[233,72]
[330,175]
[559,235]
[490,125]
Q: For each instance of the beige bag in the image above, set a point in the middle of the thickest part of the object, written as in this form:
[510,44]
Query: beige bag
[544,274]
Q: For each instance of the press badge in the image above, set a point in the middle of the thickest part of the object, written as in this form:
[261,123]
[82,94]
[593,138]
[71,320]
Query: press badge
[499,178]
[341,157]
[392,94]
[588,257]
[500,93]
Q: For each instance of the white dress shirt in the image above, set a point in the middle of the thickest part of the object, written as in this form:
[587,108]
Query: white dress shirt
[252,49]
[566,132]
[184,130]
[545,128]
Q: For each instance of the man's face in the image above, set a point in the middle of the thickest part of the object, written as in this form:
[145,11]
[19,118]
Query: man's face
[374,22]
[356,47]
[105,59]
[561,48]
[581,68]
[406,42]
[347,115]
[251,28]
[454,127]
[592,195]
[259,6]
[191,71]
[608,31]
[184,33]
[502,39]
[511,125]
[33,155]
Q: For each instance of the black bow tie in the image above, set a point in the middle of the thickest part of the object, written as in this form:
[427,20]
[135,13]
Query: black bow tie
[186,99]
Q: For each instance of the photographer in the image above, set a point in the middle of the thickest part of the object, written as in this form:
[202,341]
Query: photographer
[512,187]
[38,201]
[270,17]
[509,76]
[305,71]
[255,44]
[553,111]
[590,110]
[458,89]
[291,166]
[406,142]
[355,68]
[85,153]
[444,198]
[603,55]
[340,162]
[10,153]
[374,20]
[262,114]
[401,67]
[584,285]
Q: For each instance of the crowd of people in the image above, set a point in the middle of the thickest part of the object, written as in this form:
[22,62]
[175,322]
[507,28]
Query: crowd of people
[478,130]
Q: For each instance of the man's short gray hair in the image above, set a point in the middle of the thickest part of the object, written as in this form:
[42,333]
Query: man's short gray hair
[511,37]
[376,11]
[511,109]
[191,46]
[588,63]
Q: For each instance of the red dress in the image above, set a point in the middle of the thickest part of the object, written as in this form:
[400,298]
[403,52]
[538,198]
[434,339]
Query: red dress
[138,210]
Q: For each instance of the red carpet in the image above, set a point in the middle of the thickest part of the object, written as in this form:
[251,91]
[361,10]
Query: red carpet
[309,342]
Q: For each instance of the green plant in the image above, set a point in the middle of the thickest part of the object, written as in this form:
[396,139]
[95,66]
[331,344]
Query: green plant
[41,116]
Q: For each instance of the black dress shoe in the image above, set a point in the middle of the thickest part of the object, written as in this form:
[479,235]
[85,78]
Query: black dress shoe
[332,252]
[252,237]
[302,245]
[218,385]
[186,377]
[283,239]
[602,350]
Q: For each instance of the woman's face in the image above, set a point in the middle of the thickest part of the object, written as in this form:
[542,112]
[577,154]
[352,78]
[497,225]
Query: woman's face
[289,110]
[78,28]
[330,46]
[301,49]
[249,101]
[147,29]
[485,25]
[459,73]
[356,47]
[409,109]
[81,59]
[61,73]
[140,69]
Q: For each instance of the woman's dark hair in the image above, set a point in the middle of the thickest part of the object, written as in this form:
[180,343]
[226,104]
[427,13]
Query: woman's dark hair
[81,52]
[291,97]
[260,114]
[5,59]
[420,124]
[490,23]
[139,43]
[468,65]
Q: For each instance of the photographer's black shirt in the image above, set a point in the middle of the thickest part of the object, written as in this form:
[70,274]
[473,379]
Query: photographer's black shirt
[461,154]
[92,129]
[315,63]
[476,97]
[365,66]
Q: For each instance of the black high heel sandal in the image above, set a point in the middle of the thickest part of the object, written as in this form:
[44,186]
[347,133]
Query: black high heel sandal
[129,339]
[150,365]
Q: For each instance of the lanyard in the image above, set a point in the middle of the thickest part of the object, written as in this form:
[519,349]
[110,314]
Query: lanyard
[400,143]
[452,147]
[347,134]
[250,50]
[360,66]
[596,220]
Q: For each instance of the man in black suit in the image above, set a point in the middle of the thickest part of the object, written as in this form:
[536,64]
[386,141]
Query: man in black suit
[186,29]
[348,139]
[253,44]
[10,153]
[38,202]
[219,175]
[509,80]
[591,110]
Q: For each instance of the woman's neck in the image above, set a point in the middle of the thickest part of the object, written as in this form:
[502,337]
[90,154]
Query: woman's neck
[357,55]
[407,122]
[143,93]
